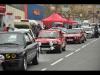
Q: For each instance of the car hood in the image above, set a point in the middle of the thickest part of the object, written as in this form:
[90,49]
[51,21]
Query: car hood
[11,49]
[72,35]
[45,40]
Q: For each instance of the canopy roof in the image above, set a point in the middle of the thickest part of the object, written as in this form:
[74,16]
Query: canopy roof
[54,18]
[70,21]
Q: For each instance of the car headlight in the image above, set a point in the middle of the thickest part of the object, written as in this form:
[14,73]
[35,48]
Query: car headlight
[55,42]
[51,43]
[10,55]
[7,56]
[13,56]
[39,43]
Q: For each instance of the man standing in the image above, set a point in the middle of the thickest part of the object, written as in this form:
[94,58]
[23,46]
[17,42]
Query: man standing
[96,32]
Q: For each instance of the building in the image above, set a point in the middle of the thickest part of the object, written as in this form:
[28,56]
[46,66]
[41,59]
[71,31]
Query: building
[17,10]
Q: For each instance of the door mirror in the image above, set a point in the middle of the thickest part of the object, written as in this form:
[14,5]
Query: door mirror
[28,43]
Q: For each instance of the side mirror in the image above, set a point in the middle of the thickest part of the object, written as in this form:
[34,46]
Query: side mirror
[28,43]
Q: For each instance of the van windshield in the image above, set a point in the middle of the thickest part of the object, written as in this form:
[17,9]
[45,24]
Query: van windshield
[22,26]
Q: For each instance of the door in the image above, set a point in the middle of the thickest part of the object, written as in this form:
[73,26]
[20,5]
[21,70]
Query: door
[31,47]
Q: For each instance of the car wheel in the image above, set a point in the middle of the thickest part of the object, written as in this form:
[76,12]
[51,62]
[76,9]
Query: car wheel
[35,59]
[64,48]
[80,41]
[59,50]
[83,40]
[24,64]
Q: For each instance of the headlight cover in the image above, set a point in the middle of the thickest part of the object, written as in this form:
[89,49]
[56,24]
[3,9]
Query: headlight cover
[10,55]
[39,43]
[51,43]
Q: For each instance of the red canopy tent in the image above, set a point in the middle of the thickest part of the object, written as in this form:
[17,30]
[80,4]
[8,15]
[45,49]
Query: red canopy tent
[54,18]
[71,22]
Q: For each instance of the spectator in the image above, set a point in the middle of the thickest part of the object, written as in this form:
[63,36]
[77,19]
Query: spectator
[5,28]
[96,32]
[10,28]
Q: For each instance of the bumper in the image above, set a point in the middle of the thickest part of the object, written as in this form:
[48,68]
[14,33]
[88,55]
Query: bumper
[13,63]
[72,40]
[47,48]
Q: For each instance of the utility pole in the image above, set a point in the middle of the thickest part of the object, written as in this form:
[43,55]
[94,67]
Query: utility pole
[93,14]
[26,10]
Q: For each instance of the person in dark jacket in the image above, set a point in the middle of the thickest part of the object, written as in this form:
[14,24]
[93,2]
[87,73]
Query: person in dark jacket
[96,32]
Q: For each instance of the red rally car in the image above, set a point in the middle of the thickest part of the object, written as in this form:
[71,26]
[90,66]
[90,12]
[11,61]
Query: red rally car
[75,35]
[52,40]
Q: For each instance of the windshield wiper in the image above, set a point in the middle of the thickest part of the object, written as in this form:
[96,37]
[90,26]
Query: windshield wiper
[9,44]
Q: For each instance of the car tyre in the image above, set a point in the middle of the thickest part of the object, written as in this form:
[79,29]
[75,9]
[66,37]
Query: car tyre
[35,59]
[64,48]
[24,64]
[59,50]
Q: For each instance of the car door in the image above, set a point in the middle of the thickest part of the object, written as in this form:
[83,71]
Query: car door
[31,47]
[34,45]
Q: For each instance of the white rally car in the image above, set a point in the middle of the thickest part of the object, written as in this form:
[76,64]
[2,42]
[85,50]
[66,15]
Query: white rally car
[89,32]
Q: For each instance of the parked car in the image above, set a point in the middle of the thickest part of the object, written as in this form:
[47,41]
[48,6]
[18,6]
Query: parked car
[75,35]
[89,31]
[19,49]
[51,40]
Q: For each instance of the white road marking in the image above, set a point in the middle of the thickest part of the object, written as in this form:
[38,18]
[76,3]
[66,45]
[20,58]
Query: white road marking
[43,69]
[57,61]
[69,54]
[78,50]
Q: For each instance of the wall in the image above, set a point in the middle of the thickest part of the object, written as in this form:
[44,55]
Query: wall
[16,12]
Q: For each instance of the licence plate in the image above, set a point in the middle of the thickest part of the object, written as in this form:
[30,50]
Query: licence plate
[69,39]
[45,48]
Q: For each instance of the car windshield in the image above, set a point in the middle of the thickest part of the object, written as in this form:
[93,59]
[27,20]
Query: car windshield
[73,31]
[22,26]
[11,39]
[48,34]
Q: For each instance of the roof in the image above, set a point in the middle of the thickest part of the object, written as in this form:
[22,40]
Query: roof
[11,33]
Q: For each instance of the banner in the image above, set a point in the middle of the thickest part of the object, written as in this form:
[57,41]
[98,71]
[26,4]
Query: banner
[36,11]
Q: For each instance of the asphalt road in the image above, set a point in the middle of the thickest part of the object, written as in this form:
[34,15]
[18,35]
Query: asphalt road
[85,56]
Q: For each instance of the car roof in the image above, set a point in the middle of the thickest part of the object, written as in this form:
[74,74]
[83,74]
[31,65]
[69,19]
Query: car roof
[22,30]
[11,33]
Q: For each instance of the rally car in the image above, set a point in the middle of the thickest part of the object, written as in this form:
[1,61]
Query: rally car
[51,40]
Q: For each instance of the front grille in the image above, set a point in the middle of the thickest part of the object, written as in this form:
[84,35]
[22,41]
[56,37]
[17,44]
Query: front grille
[69,37]
[46,45]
